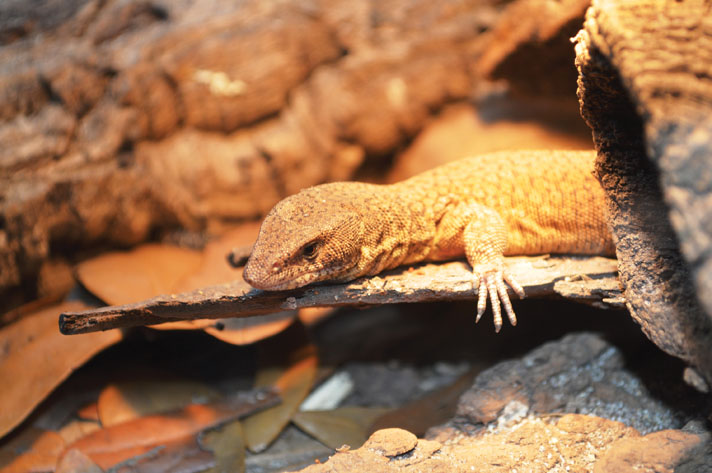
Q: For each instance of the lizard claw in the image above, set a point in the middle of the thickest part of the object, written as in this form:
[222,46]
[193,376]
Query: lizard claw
[491,284]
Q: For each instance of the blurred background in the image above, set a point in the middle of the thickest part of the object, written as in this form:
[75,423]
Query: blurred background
[128,121]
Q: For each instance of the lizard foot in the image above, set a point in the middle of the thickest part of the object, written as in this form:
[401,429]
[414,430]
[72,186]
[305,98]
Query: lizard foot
[490,282]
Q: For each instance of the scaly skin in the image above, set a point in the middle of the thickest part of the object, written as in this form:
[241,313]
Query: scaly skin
[482,207]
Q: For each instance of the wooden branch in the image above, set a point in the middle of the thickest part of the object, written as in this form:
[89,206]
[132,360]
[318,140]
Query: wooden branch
[584,279]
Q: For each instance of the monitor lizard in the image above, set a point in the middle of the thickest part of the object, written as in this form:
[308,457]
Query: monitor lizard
[483,207]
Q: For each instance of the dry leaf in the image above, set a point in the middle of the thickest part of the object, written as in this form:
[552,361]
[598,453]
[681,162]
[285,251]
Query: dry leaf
[183,455]
[67,404]
[29,308]
[89,412]
[144,272]
[76,429]
[32,450]
[196,324]
[433,409]
[313,315]
[228,445]
[252,329]
[36,358]
[112,445]
[342,426]
[75,461]
[126,401]
[214,268]
[287,362]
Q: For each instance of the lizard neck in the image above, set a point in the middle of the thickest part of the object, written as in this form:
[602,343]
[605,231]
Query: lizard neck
[397,229]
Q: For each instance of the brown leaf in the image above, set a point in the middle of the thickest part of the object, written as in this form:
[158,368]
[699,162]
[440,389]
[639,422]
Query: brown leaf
[29,308]
[114,444]
[433,409]
[32,450]
[337,427]
[36,358]
[313,315]
[214,268]
[89,412]
[76,429]
[288,362]
[197,324]
[144,272]
[228,445]
[127,401]
[75,461]
[251,330]
[183,455]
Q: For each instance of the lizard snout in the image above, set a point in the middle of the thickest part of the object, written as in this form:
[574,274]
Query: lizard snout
[254,275]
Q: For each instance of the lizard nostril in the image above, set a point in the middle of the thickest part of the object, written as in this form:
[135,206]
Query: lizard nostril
[275,268]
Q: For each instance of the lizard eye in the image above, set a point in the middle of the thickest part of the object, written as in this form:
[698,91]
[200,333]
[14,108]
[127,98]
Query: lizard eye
[309,250]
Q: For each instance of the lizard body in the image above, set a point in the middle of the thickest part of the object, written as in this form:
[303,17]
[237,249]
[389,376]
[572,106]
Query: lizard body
[482,207]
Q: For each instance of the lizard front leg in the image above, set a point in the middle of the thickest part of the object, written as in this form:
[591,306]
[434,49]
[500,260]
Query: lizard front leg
[485,239]
[482,234]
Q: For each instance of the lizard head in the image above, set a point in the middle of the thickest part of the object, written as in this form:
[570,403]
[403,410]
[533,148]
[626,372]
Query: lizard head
[308,237]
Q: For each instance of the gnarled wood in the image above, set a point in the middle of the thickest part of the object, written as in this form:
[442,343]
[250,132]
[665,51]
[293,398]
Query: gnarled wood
[426,283]
[645,88]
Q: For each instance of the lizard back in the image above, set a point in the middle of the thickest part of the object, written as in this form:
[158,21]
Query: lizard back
[550,201]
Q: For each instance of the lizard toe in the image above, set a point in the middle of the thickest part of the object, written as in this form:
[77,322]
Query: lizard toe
[504,298]
[481,296]
[516,287]
[492,285]
[494,299]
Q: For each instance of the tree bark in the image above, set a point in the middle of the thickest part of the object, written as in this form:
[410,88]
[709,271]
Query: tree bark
[645,89]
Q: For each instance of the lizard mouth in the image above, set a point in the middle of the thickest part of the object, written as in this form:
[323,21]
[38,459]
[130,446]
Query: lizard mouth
[284,280]
[266,285]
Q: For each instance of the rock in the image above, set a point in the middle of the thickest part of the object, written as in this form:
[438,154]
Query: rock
[667,450]
[388,450]
[580,373]
[541,424]
[572,443]
[391,442]
[645,94]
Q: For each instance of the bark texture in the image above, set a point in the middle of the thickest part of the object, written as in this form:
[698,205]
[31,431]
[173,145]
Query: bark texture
[530,47]
[590,280]
[645,89]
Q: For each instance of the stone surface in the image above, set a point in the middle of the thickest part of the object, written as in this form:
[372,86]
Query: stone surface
[568,406]
[586,374]
[645,91]
[391,442]
[573,443]
[667,450]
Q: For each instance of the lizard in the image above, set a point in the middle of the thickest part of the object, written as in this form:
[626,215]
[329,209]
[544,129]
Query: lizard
[482,207]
